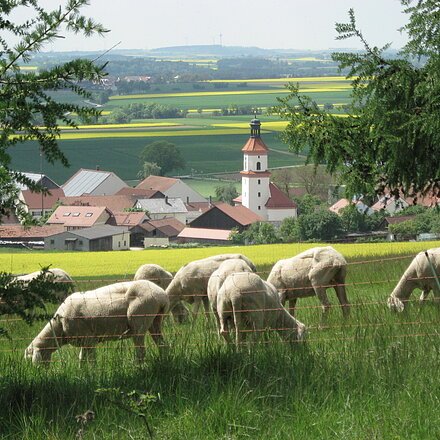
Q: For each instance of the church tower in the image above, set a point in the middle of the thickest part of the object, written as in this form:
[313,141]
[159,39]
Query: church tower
[255,177]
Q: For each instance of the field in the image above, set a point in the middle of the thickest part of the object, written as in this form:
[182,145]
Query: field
[370,377]
[116,147]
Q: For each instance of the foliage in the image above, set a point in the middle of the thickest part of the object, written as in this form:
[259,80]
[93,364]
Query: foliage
[261,233]
[353,220]
[320,225]
[152,110]
[307,204]
[226,193]
[25,95]
[392,132]
[148,169]
[165,155]
[289,231]
[28,300]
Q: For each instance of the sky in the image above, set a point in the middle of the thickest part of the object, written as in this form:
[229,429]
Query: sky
[281,24]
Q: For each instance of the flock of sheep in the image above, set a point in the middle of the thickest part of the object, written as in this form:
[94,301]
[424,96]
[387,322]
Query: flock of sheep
[227,284]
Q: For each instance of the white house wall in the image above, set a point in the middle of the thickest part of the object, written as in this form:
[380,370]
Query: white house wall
[255,194]
[278,215]
[121,242]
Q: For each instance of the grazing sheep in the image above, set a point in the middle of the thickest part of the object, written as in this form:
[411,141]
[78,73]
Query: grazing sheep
[419,274]
[55,275]
[248,303]
[311,273]
[218,277]
[158,275]
[191,281]
[117,311]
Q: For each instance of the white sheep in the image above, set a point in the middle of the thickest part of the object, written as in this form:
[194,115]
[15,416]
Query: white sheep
[218,277]
[117,311]
[158,275]
[311,273]
[249,304]
[191,281]
[55,275]
[419,274]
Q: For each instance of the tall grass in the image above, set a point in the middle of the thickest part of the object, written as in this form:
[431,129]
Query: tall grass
[373,376]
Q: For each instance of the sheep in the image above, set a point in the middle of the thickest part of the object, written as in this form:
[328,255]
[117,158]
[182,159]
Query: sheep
[311,272]
[158,275]
[121,310]
[419,274]
[55,275]
[218,277]
[249,303]
[191,281]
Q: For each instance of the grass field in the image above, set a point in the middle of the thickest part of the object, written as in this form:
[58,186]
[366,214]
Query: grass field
[372,376]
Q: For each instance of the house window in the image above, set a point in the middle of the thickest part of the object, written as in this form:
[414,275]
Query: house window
[125,243]
[119,244]
[66,214]
[75,214]
[52,241]
[259,182]
[258,166]
[89,214]
[259,194]
[80,242]
[36,214]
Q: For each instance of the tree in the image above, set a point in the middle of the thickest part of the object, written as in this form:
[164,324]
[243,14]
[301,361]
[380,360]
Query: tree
[261,233]
[307,204]
[353,220]
[319,225]
[284,179]
[24,95]
[315,180]
[392,130]
[149,169]
[165,155]
[226,193]
[289,230]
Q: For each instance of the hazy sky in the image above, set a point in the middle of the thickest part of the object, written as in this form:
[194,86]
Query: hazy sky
[298,24]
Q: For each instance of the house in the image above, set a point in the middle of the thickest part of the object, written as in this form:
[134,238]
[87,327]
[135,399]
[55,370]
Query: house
[161,208]
[259,194]
[203,235]
[78,217]
[114,203]
[161,232]
[390,204]
[343,203]
[140,193]
[133,221]
[93,182]
[40,204]
[172,188]
[226,217]
[17,235]
[41,179]
[196,209]
[96,238]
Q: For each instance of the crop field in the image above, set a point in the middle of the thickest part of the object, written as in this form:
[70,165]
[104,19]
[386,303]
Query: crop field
[371,376]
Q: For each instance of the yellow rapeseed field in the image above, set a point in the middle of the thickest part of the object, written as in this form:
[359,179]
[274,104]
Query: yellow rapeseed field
[122,265]
[131,125]
[322,79]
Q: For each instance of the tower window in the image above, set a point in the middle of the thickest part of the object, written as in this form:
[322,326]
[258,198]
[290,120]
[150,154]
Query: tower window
[259,182]
[258,166]
[259,208]
[259,194]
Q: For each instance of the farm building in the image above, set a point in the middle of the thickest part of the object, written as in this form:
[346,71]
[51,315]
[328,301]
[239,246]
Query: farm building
[140,193]
[32,236]
[196,209]
[343,203]
[162,208]
[42,179]
[161,232]
[225,217]
[172,188]
[96,238]
[39,204]
[133,221]
[93,182]
[204,236]
[115,203]
[77,217]
[259,194]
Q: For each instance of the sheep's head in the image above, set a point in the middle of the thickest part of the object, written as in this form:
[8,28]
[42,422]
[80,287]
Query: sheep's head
[395,304]
[34,354]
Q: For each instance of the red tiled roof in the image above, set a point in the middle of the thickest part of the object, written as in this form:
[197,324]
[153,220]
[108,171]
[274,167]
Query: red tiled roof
[256,173]
[140,192]
[399,219]
[81,216]
[278,200]
[256,146]
[208,234]
[127,218]
[33,200]
[238,200]
[115,203]
[198,206]
[157,183]
[169,226]
[18,231]
[340,204]
[240,214]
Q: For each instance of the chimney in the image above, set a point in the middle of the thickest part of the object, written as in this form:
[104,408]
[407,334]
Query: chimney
[98,167]
[166,201]
[210,201]
[187,200]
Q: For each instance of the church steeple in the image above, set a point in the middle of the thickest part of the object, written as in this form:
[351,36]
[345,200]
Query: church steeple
[255,127]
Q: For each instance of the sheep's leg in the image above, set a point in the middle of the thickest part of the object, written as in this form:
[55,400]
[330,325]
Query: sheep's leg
[217,320]
[322,296]
[342,297]
[196,306]
[292,305]
[206,307]
[425,294]
[240,330]
[139,346]
[156,334]
[224,328]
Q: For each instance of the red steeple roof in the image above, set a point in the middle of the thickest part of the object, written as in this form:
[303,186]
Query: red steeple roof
[255,145]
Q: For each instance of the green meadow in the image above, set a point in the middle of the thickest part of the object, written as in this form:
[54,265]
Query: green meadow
[372,376]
